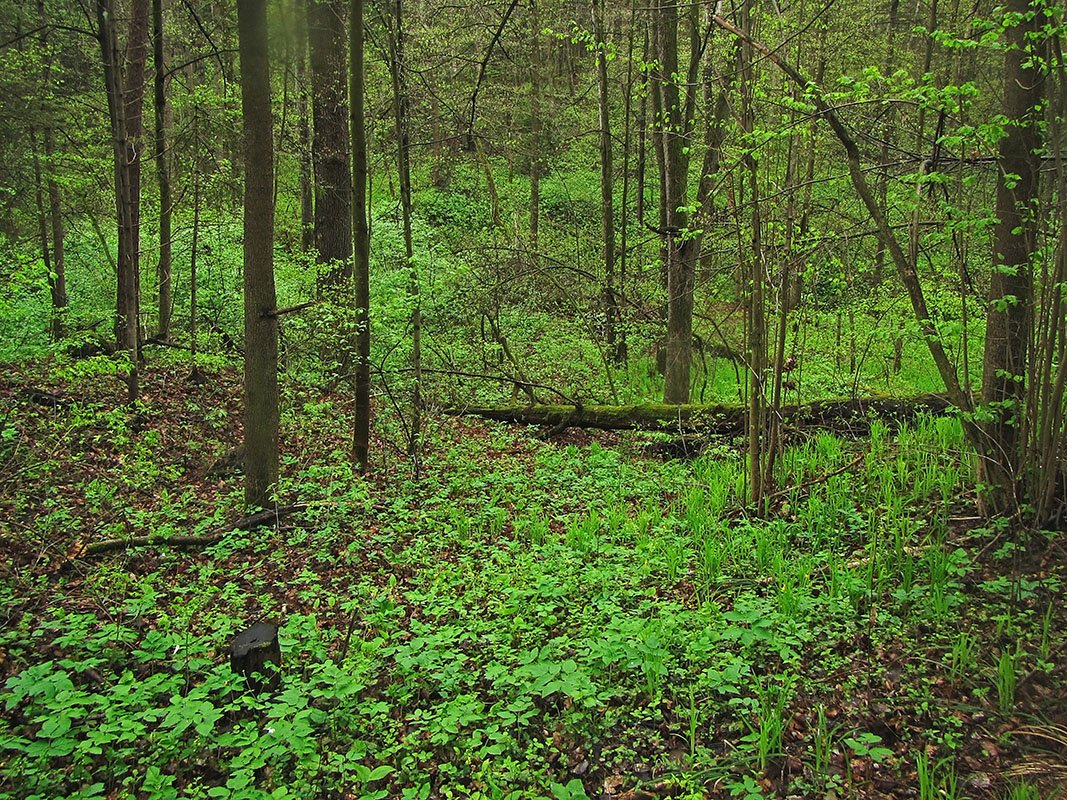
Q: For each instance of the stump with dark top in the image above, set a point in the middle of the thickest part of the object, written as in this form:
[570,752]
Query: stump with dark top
[256,654]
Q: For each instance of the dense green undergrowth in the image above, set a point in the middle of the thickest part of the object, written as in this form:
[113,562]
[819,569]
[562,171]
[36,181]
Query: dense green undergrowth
[532,618]
[847,337]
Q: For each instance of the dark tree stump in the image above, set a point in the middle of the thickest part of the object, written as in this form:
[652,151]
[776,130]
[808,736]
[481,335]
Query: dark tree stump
[256,654]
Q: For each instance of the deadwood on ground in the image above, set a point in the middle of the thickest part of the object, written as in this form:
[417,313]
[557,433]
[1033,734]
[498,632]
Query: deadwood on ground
[722,420]
[260,518]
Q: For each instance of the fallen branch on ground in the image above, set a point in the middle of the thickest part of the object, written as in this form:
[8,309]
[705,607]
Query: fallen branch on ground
[270,515]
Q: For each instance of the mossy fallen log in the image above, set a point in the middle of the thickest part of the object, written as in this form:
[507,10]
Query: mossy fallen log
[714,420]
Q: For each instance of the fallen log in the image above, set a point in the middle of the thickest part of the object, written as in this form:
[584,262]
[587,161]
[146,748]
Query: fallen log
[214,536]
[716,420]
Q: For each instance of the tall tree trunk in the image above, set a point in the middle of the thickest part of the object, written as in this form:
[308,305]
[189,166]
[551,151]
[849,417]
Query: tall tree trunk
[888,130]
[680,278]
[627,145]
[1008,320]
[361,231]
[127,329]
[42,229]
[163,269]
[57,276]
[194,249]
[658,128]
[535,123]
[403,161]
[52,219]
[607,177]
[261,327]
[642,134]
[333,181]
[307,197]
[133,87]
[756,324]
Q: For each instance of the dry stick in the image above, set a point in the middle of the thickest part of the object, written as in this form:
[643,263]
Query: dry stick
[277,312]
[201,540]
[816,480]
[503,378]
[482,70]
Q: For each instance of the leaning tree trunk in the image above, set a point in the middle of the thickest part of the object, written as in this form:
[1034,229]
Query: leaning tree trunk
[1008,320]
[261,332]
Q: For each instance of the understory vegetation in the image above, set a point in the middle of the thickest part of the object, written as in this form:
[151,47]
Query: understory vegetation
[533,400]
[564,618]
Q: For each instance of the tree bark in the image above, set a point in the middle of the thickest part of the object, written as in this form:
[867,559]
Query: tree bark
[57,276]
[403,159]
[42,234]
[607,177]
[333,181]
[307,197]
[535,123]
[1008,320]
[261,338]
[757,357]
[680,278]
[126,319]
[194,368]
[361,231]
[52,220]
[133,87]
[163,270]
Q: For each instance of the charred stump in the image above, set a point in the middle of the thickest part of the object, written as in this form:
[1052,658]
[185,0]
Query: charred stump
[256,654]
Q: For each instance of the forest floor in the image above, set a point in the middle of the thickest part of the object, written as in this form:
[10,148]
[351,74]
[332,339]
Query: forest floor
[547,618]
